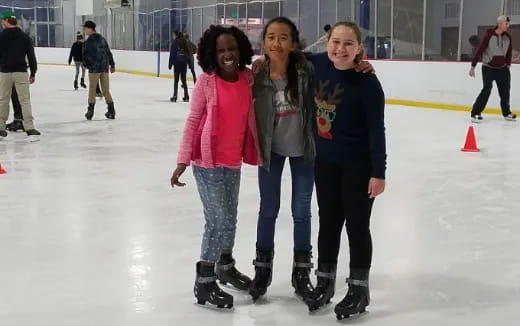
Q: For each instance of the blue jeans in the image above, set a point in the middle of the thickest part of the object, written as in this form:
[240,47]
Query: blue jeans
[270,187]
[218,189]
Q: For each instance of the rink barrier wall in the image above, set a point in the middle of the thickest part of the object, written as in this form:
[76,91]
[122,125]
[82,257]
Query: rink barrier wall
[422,84]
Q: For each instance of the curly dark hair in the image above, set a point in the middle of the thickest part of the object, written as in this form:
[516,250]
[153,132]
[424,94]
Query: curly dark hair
[207,49]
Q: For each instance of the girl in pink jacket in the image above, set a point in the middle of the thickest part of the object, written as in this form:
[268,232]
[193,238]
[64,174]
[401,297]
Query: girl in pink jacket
[220,134]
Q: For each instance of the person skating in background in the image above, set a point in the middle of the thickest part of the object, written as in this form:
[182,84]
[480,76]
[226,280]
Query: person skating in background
[191,58]
[15,47]
[76,53]
[98,59]
[179,57]
[349,131]
[495,52]
[220,135]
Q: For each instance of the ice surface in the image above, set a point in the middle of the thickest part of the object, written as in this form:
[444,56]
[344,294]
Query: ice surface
[92,234]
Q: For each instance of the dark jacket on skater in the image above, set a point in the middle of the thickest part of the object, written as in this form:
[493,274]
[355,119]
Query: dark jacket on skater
[14,46]
[97,56]
[76,52]
[178,55]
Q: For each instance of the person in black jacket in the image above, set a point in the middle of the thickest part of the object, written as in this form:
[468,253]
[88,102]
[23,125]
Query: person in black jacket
[15,46]
[191,57]
[98,59]
[179,53]
[76,52]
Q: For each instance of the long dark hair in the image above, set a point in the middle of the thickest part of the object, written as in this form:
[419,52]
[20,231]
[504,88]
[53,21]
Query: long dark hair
[181,41]
[296,56]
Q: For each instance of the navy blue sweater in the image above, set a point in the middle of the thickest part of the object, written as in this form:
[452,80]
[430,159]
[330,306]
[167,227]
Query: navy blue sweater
[349,116]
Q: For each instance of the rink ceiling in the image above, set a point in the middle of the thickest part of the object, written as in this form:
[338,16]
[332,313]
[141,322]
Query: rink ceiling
[91,232]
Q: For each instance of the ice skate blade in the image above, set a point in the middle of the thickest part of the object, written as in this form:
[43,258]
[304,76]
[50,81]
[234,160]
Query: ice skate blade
[351,317]
[232,287]
[33,139]
[221,308]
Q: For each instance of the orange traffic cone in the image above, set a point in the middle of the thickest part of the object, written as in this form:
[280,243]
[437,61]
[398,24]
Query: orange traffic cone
[2,171]
[471,141]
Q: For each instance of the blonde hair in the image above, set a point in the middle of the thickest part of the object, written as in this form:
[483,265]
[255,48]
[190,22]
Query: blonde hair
[355,28]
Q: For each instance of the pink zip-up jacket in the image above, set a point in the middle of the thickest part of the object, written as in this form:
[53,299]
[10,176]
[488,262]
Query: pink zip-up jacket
[199,138]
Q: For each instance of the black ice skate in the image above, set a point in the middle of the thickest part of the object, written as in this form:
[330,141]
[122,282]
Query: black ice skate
[33,134]
[111,111]
[325,287]
[90,112]
[173,98]
[76,85]
[300,275]
[82,83]
[227,273]
[206,288]
[16,125]
[186,98]
[510,117]
[263,273]
[357,298]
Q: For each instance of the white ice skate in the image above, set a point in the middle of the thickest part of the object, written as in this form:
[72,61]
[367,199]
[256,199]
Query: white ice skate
[476,118]
[510,117]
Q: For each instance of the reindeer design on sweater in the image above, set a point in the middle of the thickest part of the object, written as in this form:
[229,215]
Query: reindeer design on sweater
[326,112]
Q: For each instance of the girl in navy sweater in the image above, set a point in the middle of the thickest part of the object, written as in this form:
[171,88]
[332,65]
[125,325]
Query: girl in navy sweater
[350,165]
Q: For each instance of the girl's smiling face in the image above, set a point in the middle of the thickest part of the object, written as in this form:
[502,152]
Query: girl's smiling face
[228,56]
[278,42]
[343,47]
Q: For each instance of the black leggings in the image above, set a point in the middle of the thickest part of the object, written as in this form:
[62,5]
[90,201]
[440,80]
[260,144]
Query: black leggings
[343,199]
[17,108]
[502,76]
[179,70]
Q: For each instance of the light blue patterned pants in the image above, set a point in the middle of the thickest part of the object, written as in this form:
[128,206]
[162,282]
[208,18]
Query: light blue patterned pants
[218,189]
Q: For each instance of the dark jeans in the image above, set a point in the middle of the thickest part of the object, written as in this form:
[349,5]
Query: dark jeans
[270,191]
[343,200]
[191,65]
[502,77]
[17,107]
[179,70]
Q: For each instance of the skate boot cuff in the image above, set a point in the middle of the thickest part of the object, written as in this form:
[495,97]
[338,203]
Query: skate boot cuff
[209,279]
[363,283]
[331,276]
[302,265]
[262,264]
[226,267]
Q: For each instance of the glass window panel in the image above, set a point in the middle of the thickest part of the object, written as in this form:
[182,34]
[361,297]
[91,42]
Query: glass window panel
[308,22]
[197,26]
[442,30]
[408,26]
[384,17]
[478,16]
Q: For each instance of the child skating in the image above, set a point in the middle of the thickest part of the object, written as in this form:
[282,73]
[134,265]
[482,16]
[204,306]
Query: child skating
[219,136]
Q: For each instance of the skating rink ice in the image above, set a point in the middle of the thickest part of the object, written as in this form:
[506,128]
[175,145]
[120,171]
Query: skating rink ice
[92,234]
